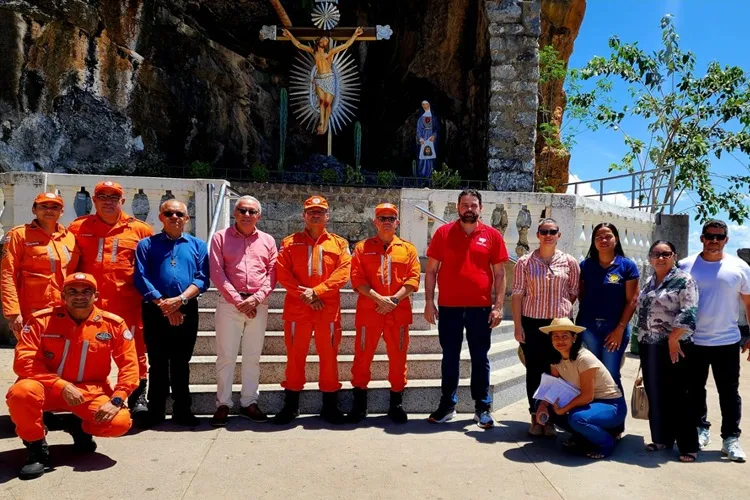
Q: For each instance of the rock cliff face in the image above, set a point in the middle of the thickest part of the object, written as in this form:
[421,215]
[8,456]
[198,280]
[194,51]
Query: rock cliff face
[561,22]
[116,85]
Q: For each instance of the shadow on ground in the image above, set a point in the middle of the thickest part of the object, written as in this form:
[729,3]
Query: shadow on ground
[62,456]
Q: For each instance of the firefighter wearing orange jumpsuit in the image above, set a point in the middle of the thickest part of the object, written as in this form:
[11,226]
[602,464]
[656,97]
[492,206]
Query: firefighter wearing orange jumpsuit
[36,259]
[385,271]
[313,265]
[63,359]
[107,240]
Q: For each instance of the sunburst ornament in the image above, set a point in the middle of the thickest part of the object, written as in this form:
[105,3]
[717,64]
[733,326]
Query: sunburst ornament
[346,86]
[326,16]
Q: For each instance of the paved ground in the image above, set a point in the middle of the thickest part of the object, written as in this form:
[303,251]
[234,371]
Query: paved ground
[377,460]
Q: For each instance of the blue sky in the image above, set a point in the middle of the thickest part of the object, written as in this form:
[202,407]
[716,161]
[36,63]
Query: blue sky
[711,30]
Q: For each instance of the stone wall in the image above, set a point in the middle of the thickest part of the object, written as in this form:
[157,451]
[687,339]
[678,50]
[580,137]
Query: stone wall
[352,208]
[514,28]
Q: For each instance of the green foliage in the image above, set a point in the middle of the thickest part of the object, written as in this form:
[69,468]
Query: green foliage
[329,176]
[690,119]
[386,178]
[445,178]
[358,145]
[259,172]
[551,67]
[200,170]
[354,176]
[283,115]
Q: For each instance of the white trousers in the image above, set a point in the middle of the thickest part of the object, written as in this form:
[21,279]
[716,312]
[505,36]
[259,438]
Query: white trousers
[233,328]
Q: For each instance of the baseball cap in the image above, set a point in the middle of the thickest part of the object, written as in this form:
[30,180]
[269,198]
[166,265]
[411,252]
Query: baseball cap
[316,202]
[80,279]
[49,198]
[386,208]
[108,185]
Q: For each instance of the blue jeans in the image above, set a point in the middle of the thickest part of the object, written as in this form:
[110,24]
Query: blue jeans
[594,335]
[596,422]
[451,324]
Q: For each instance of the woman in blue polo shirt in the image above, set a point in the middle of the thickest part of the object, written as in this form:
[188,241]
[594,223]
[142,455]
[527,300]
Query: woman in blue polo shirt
[608,295]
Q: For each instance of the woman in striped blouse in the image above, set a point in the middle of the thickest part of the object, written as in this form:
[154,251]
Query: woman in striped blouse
[545,286]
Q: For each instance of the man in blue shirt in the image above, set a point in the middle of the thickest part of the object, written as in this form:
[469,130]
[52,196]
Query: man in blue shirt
[171,270]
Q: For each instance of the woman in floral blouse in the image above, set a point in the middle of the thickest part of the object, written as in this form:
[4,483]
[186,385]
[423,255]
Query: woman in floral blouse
[667,309]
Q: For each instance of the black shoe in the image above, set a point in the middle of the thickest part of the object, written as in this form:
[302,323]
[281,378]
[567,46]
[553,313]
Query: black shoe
[150,419]
[290,411]
[38,460]
[221,416]
[137,401]
[82,441]
[442,414]
[330,412]
[254,413]
[359,407]
[185,418]
[396,410]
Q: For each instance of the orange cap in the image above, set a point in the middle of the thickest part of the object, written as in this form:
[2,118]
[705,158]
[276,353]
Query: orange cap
[49,198]
[386,208]
[316,202]
[108,185]
[80,279]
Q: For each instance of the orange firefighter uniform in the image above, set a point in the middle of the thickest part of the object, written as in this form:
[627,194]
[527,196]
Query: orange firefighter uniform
[108,253]
[55,351]
[35,264]
[385,270]
[322,265]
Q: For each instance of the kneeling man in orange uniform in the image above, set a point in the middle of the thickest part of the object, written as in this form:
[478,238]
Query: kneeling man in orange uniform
[63,359]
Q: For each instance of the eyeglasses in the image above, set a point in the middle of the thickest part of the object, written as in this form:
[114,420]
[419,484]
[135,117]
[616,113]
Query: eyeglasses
[386,218]
[111,197]
[247,211]
[661,255]
[169,213]
[714,237]
[551,232]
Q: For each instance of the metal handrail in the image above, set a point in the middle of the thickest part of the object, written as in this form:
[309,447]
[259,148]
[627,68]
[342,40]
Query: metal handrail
[217,213]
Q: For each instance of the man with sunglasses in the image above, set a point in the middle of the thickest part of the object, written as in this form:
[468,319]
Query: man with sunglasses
[107,240]
[723,284]
[243,268]
[385,272]
[313,265]
[171,270]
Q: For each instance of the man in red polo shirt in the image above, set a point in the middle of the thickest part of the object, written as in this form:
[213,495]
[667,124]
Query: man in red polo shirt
[467,259]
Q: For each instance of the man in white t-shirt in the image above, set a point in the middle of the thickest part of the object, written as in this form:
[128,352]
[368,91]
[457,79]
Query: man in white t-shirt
[723,286]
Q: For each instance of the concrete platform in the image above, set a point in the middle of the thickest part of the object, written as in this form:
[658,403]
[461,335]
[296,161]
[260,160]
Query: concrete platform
[276,299]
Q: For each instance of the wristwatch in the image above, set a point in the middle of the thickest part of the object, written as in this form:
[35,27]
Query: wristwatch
[117,401]
[184,300]
[395,300]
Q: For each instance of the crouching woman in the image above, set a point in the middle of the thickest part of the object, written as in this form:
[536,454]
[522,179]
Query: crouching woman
[594,415]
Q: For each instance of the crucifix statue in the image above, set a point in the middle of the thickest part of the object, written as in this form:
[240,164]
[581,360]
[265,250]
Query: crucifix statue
[324,80]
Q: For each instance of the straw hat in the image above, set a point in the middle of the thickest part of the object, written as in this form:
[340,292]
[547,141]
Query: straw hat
[562,324]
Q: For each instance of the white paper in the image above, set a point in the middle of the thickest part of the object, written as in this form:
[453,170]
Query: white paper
[556,390]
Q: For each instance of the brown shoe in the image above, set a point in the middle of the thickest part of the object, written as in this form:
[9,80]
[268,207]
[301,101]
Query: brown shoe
[535,429]
[549,431]
[254,413]
[221,417]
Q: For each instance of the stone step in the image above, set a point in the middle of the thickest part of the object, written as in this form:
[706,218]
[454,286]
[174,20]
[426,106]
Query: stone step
[349,297]
[420,366]
[420,342]
[420,396]
[207,320]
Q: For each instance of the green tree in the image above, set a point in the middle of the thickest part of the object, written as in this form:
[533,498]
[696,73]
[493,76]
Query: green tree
[691,120]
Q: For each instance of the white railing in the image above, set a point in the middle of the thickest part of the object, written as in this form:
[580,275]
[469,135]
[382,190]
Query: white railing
[143,195]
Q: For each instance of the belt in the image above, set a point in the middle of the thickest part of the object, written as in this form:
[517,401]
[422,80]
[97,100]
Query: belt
[244,295]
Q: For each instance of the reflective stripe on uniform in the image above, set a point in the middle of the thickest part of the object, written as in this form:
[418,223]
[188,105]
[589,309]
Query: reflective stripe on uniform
[309,260]
[64,358]
[382,269]
[320,260]
[390,269]
[51,257]
[100,250]
[115,242]
[82,364]
[67,253]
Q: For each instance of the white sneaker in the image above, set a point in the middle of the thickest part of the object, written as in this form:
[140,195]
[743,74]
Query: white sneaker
[732,449]
[704,437]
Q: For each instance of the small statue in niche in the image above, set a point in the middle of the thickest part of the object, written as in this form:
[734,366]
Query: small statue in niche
[428,131]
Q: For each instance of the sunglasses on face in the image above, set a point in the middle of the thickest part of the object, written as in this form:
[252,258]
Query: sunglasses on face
[550,232]
[247,211]
[104,197]
[661,255]
[169,213]
[386,218]
[714,237]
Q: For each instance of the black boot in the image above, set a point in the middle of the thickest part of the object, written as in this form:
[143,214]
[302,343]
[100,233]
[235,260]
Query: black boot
[137,401]
[359,407]
[290,411]
[330,411]
[396,411]
[38,459]
[82,442]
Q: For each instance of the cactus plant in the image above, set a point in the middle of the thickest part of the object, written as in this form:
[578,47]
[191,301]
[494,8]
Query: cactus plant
[283,114]
[357,145]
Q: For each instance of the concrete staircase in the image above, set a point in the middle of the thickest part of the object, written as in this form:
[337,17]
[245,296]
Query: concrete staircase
[422,393]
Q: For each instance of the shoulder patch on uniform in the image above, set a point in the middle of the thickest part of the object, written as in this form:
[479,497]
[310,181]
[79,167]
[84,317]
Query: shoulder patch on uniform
[128,335]
[104,336]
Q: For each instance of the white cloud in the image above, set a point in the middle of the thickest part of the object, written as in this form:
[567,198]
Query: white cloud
[739,237]
[587,189]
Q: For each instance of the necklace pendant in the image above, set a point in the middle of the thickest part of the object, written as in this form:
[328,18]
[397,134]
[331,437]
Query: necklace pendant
[173,263]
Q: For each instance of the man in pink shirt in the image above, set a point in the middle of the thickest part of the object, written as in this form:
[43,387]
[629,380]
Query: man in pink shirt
[243,262]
